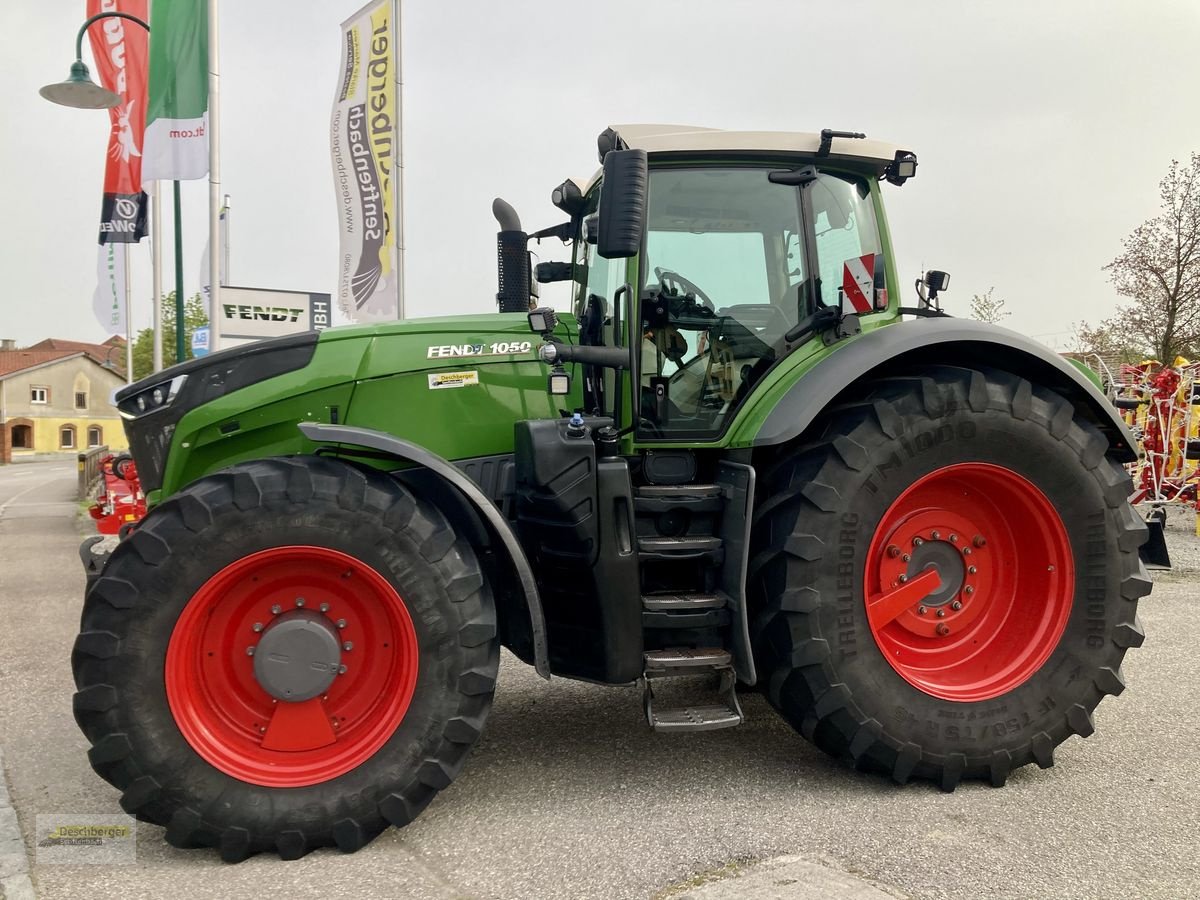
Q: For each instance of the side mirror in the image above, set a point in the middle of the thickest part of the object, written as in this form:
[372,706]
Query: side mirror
[622,204]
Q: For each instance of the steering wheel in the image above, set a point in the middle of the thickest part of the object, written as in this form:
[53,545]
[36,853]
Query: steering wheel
[674,283]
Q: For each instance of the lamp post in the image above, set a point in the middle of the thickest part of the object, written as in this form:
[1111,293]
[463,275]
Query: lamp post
[80,92]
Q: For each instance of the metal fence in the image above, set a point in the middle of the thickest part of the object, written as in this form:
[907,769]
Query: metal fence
[89,471]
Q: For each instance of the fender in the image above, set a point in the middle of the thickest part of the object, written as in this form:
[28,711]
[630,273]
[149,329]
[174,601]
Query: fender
[946,341]
[405,450]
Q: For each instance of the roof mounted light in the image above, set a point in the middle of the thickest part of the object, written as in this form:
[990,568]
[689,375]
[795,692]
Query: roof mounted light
[902,168]
[569,198]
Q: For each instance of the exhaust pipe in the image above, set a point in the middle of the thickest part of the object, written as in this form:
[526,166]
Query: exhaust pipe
[512,260]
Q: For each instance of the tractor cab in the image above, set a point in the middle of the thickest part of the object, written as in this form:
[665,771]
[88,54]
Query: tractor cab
[711,256]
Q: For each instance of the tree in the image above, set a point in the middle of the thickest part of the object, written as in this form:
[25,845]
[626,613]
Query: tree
[987,308]
[1107,339]
[194,316]
[1159,270]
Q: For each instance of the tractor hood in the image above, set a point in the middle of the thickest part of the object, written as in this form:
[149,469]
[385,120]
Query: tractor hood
[418,345]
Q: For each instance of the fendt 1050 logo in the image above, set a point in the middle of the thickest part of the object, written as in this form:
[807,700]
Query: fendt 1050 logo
[501,348]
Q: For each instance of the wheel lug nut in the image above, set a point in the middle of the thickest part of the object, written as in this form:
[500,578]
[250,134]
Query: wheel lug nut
[257,626]
[971,570]
[921,610]
[1049,568]
[917,542]
[979,541]
[941,614]
[966,551]
[299,601]
[968,590]
[249,651]
[956,605]
[936,535]
[893,551]
[341,623]
[324,607]
[341,670]
[905,558]
[262,729]
[348,646]
[943,629]
[276,609]
[903,578]
[953,538]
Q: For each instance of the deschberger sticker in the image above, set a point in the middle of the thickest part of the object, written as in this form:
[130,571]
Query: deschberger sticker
[440,380]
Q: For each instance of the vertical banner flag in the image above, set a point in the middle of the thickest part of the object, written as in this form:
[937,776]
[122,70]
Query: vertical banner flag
[176,147]
[109,299]
[205,287]
[119,47]
[363,140]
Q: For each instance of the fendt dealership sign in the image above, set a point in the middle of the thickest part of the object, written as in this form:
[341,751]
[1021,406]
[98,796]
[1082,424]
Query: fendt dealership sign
[251,314]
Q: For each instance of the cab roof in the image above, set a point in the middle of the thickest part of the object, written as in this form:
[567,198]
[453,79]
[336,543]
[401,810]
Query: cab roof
[874,156]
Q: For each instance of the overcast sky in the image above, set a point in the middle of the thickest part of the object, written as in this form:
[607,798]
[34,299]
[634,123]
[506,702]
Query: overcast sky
[1042,130]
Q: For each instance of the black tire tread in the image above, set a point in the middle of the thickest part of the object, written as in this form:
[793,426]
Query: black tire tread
[112,600]
[794,669]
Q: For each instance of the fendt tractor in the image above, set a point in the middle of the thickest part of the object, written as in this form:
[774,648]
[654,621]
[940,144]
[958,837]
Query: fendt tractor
[738,463]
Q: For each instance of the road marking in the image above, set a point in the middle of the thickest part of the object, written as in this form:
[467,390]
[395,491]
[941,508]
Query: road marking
[13,499]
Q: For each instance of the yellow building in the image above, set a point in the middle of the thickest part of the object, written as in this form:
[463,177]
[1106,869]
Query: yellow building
[57,400]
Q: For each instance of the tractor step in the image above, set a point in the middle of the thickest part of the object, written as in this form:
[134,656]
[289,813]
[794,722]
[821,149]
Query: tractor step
[684,611]
[659,498]
[688,602]
[686,547]
[680,662]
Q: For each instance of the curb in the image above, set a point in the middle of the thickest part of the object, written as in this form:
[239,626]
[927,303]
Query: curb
[14,863]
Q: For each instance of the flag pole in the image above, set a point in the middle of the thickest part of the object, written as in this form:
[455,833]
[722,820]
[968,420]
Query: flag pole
[214,182]
[180,338]
[398,35]
[128,319]
[156,265]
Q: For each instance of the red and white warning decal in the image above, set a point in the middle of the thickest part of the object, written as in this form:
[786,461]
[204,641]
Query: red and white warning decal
[858,284]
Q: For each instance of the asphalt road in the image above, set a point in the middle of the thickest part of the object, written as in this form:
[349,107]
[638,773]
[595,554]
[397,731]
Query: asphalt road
[569,795]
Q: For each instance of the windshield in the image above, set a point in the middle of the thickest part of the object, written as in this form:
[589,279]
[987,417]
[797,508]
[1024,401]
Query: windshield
[729,268]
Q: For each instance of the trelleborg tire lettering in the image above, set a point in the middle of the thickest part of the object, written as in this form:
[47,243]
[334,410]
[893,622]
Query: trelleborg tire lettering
[380,531]
[822,505]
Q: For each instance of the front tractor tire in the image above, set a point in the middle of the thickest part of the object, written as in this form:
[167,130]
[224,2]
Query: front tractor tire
[946,577]
[288,654]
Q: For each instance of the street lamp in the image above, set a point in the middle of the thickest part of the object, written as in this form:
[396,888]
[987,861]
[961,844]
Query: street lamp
[80,92]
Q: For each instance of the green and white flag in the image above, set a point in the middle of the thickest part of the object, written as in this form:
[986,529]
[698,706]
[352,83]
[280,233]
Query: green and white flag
[176,142]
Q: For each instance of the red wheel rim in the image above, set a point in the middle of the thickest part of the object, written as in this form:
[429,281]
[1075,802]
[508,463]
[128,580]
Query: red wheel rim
[969,582]
[231,720]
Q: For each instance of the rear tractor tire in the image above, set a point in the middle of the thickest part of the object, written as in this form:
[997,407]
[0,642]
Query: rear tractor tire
[288,654]
[946,578]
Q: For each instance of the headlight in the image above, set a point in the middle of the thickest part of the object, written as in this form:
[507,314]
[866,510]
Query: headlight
[151,399]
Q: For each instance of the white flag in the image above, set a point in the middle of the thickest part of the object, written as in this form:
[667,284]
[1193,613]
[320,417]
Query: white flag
[204,259]
[109,299]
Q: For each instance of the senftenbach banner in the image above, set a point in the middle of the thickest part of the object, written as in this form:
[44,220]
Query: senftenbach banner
[119,47]
[363,140]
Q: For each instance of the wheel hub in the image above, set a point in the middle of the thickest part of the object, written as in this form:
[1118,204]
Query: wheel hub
[944,558]
[298,656]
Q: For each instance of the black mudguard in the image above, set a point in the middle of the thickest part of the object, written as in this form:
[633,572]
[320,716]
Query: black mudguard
[447,471]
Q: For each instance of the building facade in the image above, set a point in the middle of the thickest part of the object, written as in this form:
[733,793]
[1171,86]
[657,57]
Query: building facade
[57,401]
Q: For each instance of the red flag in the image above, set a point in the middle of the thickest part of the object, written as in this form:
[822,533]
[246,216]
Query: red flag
[119,47]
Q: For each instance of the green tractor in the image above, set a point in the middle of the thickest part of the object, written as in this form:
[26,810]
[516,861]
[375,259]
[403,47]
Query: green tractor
[732,459]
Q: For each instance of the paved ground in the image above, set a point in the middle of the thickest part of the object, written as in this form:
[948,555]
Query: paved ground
[569,796]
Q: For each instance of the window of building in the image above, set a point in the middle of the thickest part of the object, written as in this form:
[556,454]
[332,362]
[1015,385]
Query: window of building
[81,399]
[66,437]
[95,436]
[39,395]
